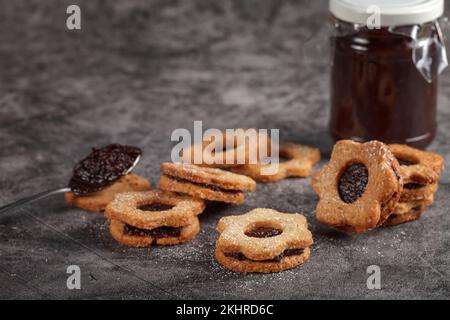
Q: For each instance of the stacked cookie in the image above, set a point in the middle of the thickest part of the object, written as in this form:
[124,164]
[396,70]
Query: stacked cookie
[359,187]
[143,219]
[263,240]
[205,183]
[420,171]
[369,185]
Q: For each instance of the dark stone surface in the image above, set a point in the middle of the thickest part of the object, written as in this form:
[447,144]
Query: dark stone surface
[136,71]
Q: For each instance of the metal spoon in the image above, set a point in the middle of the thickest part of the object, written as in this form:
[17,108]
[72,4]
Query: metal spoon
[46,194]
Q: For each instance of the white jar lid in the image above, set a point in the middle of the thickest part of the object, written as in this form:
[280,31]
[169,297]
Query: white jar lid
[392,12]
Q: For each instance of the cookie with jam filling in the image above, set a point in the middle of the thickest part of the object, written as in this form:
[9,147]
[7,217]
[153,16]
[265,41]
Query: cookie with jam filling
[97,201]
[420,171]
[263,241]
[359,187]
[155,208]
[417,166]
[400,218]
[417,192]
[205,183]
[408,211]
[236,148]
[404,207]
[165,236]
[295,161]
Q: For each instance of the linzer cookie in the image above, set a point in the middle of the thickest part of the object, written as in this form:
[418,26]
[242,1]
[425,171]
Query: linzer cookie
[412,192]
[97,201]
[205,183]
[236,147]
[143,219]
[408,211]
[404,207]
[359,187]
[417,166]
[399,218]
[295,161]
[420,171]
[153,209]
[264,241]
[137,237]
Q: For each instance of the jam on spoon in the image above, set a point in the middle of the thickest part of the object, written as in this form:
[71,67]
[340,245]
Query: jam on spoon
[100,169]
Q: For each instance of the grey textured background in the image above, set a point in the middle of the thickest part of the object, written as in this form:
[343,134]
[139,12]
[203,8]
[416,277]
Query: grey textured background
[136,71]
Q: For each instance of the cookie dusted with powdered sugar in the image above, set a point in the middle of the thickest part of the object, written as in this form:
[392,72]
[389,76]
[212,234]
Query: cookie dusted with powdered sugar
[153,209]
[165,236]
[156,217]
[420,171]
[263,241]
[205,183]
[295,161]
[359,187]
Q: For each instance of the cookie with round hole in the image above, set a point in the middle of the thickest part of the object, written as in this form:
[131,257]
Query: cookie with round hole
[205,183]
[153,209]
[359,187]
[237,147]
[299,162]
[417,166]
[165,236]
[263,241]
[97,201]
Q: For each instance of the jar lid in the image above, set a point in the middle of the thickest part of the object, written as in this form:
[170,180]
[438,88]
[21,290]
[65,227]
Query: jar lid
[392,12]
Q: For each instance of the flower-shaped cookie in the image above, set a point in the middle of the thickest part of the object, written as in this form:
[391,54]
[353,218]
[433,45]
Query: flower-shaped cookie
[205,183]
[237,147]
[166,236]
[153,209]
[299,163]
[417,166]
[263,240]
[359,187]
[420,171]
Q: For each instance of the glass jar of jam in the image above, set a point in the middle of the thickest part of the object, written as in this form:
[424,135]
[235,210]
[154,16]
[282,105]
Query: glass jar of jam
[386,59]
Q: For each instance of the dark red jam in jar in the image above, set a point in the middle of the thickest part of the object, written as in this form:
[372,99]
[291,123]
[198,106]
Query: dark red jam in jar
[384,78]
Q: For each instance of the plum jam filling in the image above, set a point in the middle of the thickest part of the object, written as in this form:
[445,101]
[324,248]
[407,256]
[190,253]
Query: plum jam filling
[353,182]
[161,232]
[263,232]
[414,186]
[102,167]
[406,162]
[155,207]
[204,185]
[287,253]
